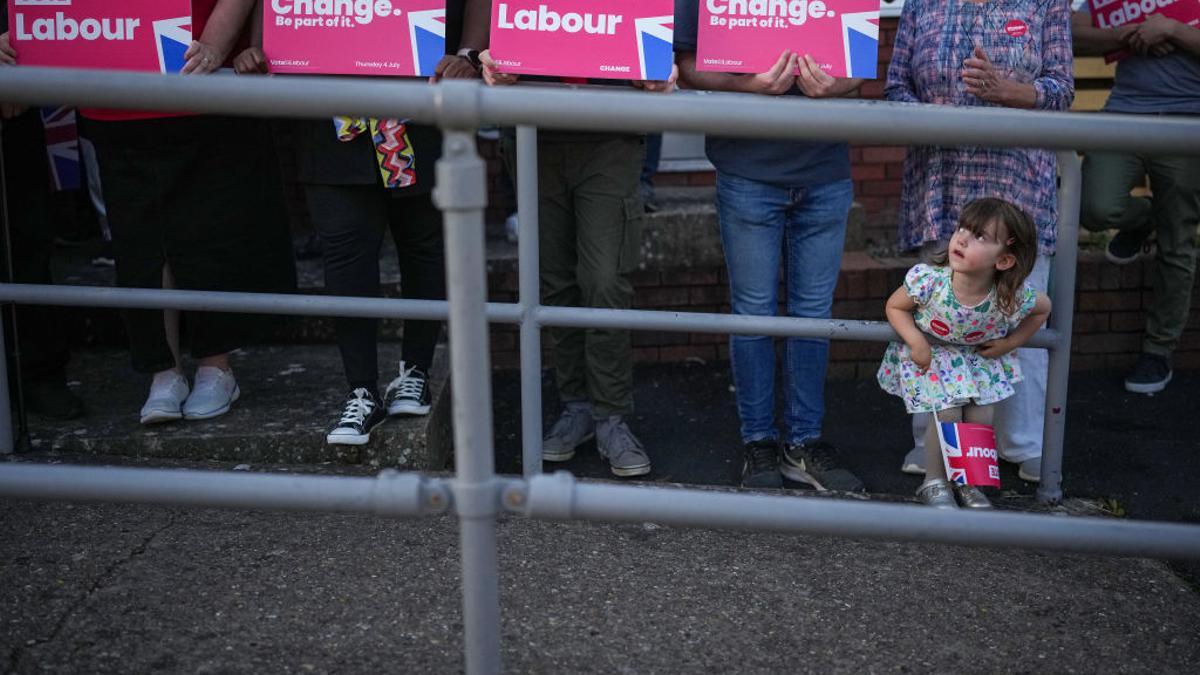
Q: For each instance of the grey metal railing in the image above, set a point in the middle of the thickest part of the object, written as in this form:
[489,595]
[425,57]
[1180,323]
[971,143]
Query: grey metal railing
[477,494]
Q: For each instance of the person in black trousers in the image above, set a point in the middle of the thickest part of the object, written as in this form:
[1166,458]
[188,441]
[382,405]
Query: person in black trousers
[43,342]
[355,196]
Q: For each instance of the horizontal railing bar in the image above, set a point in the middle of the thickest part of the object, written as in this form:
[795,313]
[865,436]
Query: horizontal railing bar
[860,121]
[249,303]
[389,493]
[497,312]
[741,324]
[559,497]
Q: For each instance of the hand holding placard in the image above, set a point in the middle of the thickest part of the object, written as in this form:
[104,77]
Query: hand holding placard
[1153,36]
[201,58]
[816,83]
[776,81]
[659,86]
[8,55]
[491,72]
[251,61]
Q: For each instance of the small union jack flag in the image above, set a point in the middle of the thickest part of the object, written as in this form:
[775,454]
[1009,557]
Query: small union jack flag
[62,146]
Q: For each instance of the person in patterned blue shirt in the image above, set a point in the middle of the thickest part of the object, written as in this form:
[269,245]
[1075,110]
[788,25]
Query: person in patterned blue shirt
[989,53]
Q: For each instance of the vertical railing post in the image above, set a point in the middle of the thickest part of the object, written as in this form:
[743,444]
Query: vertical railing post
[528,270]
[461,193]
[6,428]
[1062,316]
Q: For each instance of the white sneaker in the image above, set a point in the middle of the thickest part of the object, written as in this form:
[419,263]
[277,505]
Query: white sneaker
[1031,470]
[215,390]
[167,393]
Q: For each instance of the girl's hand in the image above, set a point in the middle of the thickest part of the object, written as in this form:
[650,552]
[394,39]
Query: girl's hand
[251,61]
[994,349]
[921,354]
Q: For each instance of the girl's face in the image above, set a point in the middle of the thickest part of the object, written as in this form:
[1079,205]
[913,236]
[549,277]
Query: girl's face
[977,252]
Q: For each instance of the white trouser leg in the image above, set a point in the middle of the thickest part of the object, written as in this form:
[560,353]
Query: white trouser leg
[1021,417]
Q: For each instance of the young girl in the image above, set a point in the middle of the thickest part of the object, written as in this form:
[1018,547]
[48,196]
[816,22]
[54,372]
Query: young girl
[975,301]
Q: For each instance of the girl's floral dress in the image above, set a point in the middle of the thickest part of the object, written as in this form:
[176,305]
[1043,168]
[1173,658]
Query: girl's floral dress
[958,374]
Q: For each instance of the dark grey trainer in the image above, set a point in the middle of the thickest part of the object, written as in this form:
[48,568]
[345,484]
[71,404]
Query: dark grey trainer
[573,428]
[760,464]
[813,461]
[1149,375]
[1126,247]
[625,454]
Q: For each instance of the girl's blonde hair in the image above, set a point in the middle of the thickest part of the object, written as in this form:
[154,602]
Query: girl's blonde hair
[1015,231]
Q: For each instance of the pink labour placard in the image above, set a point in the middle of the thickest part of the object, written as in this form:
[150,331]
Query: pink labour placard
[1114,13]
[354,37]
[615,39]
[748,36]
[148,35]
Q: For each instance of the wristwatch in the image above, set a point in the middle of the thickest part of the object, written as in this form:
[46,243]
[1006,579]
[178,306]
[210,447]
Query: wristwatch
[471,55]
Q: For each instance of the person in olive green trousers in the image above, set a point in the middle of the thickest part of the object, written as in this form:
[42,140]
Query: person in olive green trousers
[589,236]
[1161,80]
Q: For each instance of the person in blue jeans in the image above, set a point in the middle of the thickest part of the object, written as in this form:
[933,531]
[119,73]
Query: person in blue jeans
[778,201]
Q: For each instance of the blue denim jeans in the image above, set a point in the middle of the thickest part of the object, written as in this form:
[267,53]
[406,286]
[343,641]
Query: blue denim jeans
[760,223]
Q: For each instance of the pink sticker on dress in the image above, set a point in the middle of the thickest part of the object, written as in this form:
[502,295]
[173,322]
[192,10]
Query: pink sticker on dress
[1016,28]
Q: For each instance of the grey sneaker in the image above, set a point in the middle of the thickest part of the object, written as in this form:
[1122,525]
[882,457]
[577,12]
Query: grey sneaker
[936,493]
[573,428]
[213,392]
[914,462]
[971,497]
[624,452]
[167,393]
[812,461]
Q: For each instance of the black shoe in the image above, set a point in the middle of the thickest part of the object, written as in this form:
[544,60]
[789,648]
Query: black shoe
[1127,247]
[52,399]
[761,464]
[360,414]
[812,461]
[1149,375]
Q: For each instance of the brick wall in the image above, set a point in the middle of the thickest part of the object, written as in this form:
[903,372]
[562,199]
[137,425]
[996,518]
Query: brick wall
[1110,303]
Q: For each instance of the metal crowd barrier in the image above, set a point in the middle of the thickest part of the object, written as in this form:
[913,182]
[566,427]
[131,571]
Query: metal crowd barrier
[476,494]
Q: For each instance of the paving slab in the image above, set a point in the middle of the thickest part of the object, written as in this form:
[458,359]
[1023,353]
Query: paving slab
[114,588]
[290,396]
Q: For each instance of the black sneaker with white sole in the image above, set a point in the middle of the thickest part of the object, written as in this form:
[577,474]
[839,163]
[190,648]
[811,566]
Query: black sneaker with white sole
[408,394]
[360,414]
[1127,246]
[760,464]
[1149,375]
[814,462]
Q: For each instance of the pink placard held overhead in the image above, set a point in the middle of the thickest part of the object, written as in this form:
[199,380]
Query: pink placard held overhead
[615,39]
[354,37]
[1115,13]
[748,36]
[146,35]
